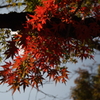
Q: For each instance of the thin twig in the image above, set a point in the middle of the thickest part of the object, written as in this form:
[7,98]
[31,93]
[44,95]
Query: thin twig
[49,95]
[30,94]
[12,97]
[4,91]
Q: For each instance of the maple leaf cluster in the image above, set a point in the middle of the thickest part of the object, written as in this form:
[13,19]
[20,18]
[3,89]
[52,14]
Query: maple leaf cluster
[48,40]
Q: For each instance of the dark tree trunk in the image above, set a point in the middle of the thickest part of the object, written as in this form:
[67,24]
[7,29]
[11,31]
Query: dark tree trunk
[13,20]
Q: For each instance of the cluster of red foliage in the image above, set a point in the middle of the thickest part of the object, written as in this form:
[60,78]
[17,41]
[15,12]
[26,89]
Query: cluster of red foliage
[45,47]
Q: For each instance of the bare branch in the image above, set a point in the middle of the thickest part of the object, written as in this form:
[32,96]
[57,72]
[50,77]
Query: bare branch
[4,91]
[49,95]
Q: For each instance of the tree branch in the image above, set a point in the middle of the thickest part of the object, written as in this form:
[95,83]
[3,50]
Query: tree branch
[10,5]
[13,20]
[80,3]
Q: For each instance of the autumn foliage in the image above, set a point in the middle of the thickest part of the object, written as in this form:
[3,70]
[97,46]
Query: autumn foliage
[51,37]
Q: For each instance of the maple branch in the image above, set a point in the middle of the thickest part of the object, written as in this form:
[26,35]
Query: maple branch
[80,3]
[15,22]
[10,5]
[46,94]
[49,95]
